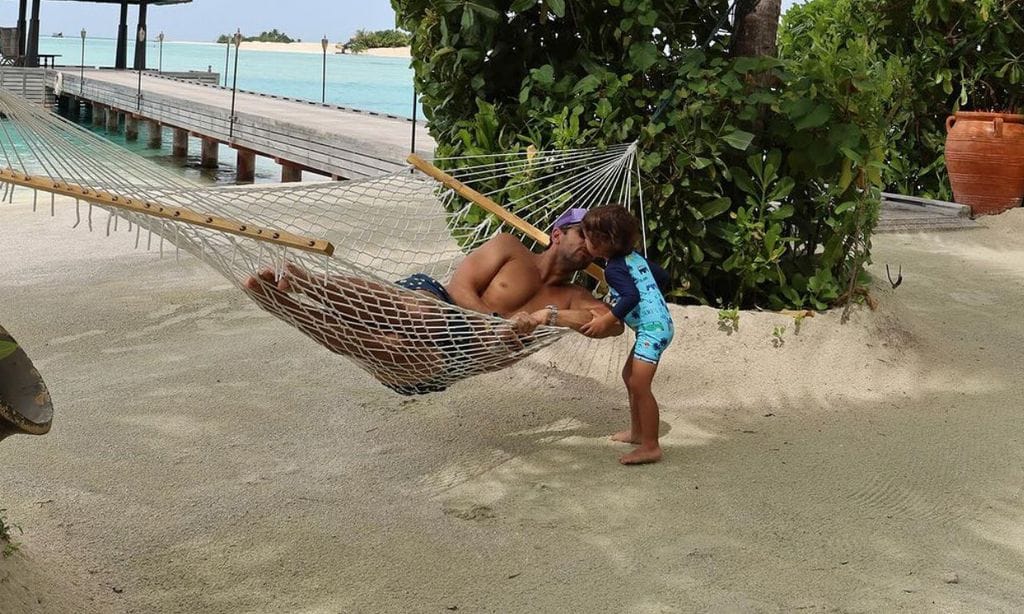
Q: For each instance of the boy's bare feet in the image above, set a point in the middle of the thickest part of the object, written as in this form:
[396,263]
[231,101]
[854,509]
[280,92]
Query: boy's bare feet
[641,456]
[625,437]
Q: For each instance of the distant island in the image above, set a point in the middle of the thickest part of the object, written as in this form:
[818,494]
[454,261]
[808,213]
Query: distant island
[364,40]
[264,37]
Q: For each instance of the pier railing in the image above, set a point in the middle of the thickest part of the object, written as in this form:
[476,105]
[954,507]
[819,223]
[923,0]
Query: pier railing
[32,84]
[352,144]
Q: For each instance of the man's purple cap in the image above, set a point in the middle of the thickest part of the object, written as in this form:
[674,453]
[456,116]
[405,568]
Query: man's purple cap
[570,217]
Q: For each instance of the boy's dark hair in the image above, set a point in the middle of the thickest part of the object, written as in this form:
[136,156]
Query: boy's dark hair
[612,226]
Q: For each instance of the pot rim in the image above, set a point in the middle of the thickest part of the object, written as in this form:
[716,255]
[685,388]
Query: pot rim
[988,116]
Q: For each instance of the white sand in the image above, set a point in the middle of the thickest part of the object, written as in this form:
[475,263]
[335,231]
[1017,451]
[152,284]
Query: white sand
[317,48]
[207,458]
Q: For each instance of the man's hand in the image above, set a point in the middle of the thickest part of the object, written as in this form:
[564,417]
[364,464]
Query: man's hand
[601,325]
[523,323]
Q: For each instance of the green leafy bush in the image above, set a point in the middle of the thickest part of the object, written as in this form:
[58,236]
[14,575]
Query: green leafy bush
[364,40]
[761,176]
[958,55]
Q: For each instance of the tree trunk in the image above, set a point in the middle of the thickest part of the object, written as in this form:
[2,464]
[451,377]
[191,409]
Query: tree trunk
[757,28]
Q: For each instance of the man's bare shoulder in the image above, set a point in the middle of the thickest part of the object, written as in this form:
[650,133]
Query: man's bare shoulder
[504,243]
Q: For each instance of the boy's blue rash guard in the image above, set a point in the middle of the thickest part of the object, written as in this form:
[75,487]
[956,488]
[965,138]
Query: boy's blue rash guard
[640,304]
[627,285]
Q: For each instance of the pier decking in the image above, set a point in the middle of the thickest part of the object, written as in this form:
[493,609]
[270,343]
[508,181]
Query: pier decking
[343,143]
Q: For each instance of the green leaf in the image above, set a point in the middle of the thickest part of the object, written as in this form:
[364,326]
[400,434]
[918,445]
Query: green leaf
[783,212]
[467,18]
[696,254]
[643,55]
[7,348]
[545,75]
[521,5]
[742,180]
[815,118]
[586,85]
[714,207]
[739,139]
[557,7]
[844,207]
[648,18]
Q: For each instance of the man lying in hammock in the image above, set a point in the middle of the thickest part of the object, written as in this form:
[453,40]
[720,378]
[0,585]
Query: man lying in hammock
[416,345]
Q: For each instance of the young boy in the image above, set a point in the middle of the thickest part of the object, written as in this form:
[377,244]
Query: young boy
[611,232]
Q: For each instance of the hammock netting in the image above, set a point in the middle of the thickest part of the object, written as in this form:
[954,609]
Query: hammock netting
[383,229]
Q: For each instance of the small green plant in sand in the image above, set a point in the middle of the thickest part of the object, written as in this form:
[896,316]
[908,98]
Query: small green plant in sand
[729,320]
[798,321]
[10,547]
[7,348]
[778,336]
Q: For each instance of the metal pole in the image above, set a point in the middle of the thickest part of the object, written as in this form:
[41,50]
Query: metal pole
[234,83]
[160,65]
[81,70]
[323,95]
[140,40]
[412,147]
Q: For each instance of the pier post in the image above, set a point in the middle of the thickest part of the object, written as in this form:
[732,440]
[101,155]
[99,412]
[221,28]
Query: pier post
[180,147]
[113,121]
[290,172]
[131,127]
[245,165]
[97,114]
[156,136]
[209,155]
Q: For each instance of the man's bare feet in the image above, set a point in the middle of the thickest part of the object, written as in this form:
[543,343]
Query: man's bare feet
[256,282]
[268,278]
[625,437]
[641,456]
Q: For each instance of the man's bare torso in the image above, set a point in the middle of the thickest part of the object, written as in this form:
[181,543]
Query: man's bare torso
[518,286]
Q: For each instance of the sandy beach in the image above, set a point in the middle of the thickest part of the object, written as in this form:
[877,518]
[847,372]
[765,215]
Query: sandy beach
[315,47]
[207,458]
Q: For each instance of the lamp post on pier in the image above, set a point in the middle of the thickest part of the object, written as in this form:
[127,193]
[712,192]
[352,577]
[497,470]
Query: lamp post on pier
[160,65]
[323,95]
[81,69]
[140,40]
[234,82]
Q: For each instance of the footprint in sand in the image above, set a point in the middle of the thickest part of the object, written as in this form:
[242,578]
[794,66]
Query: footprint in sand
[469,512]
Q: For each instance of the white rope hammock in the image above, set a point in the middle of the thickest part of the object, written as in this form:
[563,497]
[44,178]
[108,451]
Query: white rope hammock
[346,242]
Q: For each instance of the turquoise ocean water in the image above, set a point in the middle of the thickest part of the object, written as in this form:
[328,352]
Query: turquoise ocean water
[363,82]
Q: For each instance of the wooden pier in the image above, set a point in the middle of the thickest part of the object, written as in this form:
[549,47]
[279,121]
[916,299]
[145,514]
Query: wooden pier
[299,135]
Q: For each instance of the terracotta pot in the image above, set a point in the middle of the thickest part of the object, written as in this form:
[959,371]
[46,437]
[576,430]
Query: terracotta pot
[985,160]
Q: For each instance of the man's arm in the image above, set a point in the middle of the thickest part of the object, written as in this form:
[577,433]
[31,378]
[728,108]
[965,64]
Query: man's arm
[476,272]
[581,311]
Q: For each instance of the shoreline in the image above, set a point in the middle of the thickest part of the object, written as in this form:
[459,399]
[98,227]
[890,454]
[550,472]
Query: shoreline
[311,48]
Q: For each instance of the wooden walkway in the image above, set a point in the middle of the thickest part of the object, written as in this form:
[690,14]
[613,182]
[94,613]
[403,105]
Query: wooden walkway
[912,214]
[346,143]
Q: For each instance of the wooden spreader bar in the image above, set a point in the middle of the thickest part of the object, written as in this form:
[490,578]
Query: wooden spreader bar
[177,214]
[492,207]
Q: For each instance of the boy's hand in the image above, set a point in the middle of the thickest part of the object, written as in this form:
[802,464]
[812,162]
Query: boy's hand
[601,325]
